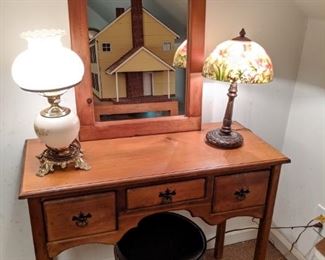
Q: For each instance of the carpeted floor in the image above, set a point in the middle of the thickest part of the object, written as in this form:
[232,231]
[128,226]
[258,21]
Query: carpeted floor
[244,251]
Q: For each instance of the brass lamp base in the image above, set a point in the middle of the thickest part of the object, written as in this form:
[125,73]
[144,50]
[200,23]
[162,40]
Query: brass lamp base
[54,157]
[229,140]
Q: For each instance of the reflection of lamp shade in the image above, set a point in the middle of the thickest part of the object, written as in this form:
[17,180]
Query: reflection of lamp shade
[181,56]
[46,65]
[240,60]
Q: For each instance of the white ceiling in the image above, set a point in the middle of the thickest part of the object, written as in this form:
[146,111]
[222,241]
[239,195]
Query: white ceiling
[176,16]
[312,8]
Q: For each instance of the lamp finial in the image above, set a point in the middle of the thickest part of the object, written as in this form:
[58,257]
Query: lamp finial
[242,33]
[242,36]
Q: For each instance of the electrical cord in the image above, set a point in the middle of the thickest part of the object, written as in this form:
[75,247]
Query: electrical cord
[316,225]
[232,230]
[303,231]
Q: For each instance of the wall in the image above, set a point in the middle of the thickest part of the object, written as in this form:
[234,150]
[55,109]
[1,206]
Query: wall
[263,109]
[17,112]
[302,184]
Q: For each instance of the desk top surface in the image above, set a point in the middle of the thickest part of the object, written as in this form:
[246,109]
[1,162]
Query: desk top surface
[134,160]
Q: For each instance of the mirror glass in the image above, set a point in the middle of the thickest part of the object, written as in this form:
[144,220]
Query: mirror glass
[132,45]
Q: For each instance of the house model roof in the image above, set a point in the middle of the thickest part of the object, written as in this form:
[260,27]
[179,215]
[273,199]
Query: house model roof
[127,11]
[133,61]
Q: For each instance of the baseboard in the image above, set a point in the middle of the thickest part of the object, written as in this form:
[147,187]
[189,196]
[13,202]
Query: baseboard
[319,255]
[236,237]
[276,238]
[283,245]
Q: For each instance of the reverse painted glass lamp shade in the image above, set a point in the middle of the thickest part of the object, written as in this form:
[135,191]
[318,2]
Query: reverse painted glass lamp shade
[239,60]
[47,67]
[180,56]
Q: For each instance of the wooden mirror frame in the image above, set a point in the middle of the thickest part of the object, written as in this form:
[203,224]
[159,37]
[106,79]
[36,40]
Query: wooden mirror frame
[91,129]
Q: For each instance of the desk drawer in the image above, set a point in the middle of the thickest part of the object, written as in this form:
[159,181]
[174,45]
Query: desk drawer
[165,193]
[240,191]
[79,216]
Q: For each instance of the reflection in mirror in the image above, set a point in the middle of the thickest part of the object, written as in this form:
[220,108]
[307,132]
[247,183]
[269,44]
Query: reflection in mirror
[132,45]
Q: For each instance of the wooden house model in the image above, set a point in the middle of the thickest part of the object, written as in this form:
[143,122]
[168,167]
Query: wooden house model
[131,58]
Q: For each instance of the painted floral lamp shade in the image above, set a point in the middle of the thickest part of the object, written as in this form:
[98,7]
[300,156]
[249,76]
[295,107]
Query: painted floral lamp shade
[181,56]
[239,60]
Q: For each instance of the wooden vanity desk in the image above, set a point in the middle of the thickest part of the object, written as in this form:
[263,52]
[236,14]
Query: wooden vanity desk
[135,177]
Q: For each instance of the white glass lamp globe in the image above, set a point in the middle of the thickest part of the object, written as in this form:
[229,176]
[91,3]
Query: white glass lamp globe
[47,67]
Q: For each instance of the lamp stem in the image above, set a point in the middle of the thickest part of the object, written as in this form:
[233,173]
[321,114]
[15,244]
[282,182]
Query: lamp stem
[225,137]
[227,120]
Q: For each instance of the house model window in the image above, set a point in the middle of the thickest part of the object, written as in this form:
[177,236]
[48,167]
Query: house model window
[93,57]
[94,78]
[167,46]
[106,46]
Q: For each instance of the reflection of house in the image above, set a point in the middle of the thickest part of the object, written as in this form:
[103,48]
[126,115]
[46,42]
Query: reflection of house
[132,57]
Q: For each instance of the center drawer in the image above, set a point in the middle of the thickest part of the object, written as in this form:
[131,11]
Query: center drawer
[165,193]
[80,216]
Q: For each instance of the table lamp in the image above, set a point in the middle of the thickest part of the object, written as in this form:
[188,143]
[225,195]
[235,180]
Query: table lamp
[48,68]
[239,60]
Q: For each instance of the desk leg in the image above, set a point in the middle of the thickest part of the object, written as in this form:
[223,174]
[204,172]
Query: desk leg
[38,229]
[220,239]
[266,221]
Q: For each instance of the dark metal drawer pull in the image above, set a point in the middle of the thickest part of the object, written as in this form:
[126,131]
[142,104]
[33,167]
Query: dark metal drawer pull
[241,194]
[82,219]
[167,196]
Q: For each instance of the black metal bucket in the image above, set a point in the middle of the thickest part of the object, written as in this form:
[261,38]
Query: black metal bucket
[162,236]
